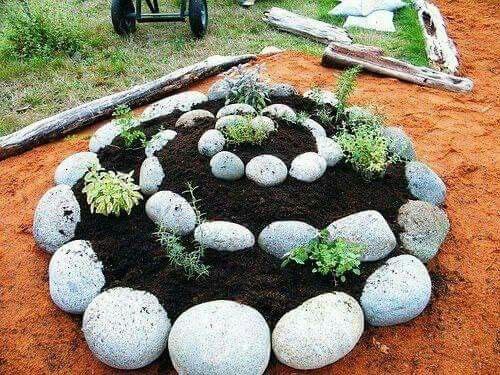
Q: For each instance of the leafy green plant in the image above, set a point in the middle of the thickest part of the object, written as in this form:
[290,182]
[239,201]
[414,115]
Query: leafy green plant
[328,257]
[242,131]
[110,192]
[124,118]
[246,86]
[323,112]
[346,84]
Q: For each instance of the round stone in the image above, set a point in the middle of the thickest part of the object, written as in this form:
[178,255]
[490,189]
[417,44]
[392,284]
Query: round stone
[319,332]
[236,109]
[316,129]
[325,97]
[158,141]
[308,167]
[151,175]
[74,167]
[56,217]
[424,229]
[227,166]
[282,90]
[399,143]
[171,211]
[368,229]
[396,292]
[75,276]
[105,135]
[424,183]
[224,236]
[280,111]
[280,237]
[194,118]
[211,142]
[263,123]
[183,102]
[125,328]
[219,90]
[230,120]
[329,150]
[266,170]
[220,337]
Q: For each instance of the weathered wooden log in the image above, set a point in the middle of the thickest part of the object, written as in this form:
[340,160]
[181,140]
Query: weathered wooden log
[86,114]
[318,31]
[441,49]
[337,54]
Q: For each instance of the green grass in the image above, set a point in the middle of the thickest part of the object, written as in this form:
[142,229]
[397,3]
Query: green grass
[93,61]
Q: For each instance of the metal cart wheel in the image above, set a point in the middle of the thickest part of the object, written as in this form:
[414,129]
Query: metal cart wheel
[198,17]
[121,11]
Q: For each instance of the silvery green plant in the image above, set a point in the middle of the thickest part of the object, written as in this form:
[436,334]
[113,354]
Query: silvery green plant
[110,192]
[247,86]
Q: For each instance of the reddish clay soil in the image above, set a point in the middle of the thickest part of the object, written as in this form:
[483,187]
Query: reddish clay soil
[458,135]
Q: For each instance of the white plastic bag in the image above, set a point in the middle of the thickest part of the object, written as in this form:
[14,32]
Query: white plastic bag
[380,20]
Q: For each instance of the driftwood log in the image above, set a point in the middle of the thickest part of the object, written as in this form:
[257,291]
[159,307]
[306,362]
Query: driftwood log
[318,31]
[86,114]
[441,49]
[372,60]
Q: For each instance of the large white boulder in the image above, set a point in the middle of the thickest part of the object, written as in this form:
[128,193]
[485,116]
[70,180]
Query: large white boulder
[211,142]
[319,332]
[282,90]
[266,170]
[178,102]
[105,135]
[74,167]
[399,143]
[75,276]
[219,90]
[324,97]
[230,120]
[227,166]
[171,211]
[56,217]
[220,337]
[125,328]
[158,141]
[308,167]
[329,150]
[224,236]
[424,183]
[280,237]
[151,175]
[315,128]
[263,123]
[236,109]
[280,111]
[396,292]
[194,118]
[368,229]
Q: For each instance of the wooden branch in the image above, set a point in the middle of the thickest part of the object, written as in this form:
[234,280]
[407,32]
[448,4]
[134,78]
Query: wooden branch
[318,31]
[372,61]
[441,49]
[86,114]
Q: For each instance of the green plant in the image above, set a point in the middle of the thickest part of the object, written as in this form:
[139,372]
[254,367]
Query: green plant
[110,192]
[346,84]
[242,131]
[247,86]
[124,118]
[335,257]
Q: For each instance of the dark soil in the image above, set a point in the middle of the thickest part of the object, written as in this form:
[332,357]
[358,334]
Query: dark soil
[131,256]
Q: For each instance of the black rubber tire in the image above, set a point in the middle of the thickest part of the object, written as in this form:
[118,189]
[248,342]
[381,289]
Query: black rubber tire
[198,17]
[122,24]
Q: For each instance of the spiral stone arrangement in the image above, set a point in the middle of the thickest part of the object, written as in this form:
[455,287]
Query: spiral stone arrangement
[128,328]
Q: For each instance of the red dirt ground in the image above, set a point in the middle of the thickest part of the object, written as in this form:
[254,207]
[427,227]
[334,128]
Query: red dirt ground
[458,135]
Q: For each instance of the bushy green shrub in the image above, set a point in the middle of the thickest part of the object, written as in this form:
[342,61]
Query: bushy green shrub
[242,131]
[328,257]
[110,192]
[247,86]
[44,28]
[129,132]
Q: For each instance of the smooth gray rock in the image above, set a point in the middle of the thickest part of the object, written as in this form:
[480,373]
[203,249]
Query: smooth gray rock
[105,135]
[183,101]
[280,237]
[399,143]
[367,228]
[219,90]
[425,227]
[268,50]
[125,328]
[316,129]
[236,109]
[280,111]
[266,170]
[230,120]
[194,118]
[74,167]
[325,97]
[171,211]
[282,90]
[264,123]
[308,167]
[424,183]
[329,150]
[319,332]
[211,142]
[151,175]
[227,166]
[75,276]
[56,217]
[158,141]
[220,337]
[396,292]
[224,236]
